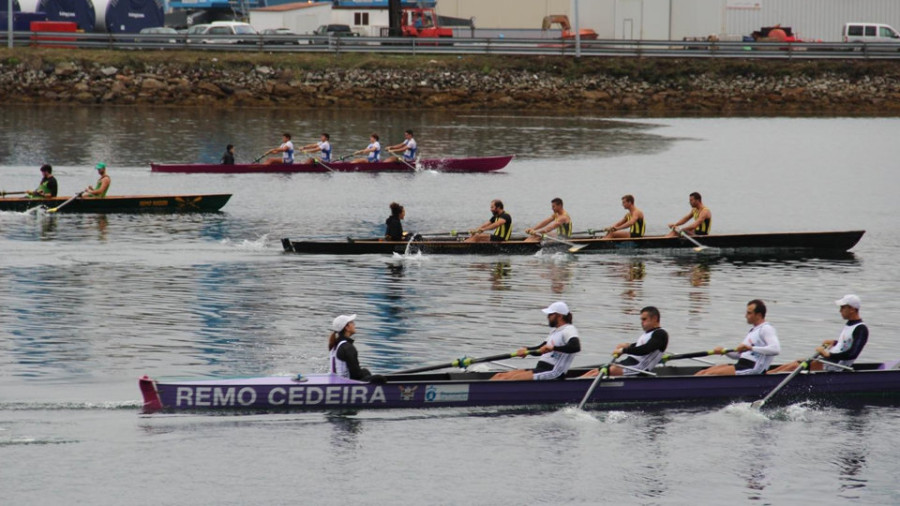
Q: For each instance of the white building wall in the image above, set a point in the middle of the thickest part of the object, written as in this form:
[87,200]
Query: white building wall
[598,15]
[697,18]
[676,19]
[813,19]
[299,21]
[378,19]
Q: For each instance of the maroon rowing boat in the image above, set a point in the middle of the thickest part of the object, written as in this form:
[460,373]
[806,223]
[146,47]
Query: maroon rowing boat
[484,164]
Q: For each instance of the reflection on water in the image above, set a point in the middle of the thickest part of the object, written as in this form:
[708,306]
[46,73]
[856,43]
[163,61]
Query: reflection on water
[756,462]
[852,457]
[499,274]
[135,136]
[345,433]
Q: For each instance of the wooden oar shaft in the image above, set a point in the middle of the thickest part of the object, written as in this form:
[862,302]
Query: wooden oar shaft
[684,234]
[3,194]
[57,208]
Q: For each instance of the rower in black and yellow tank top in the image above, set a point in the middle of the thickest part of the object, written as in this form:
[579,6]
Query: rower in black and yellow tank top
[703,227]
[637,228]
[502,232]
[564,229]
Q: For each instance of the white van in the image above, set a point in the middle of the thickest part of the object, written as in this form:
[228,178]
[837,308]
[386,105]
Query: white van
[869,32]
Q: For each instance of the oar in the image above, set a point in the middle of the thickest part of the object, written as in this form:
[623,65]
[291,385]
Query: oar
[451,233]
[592,232]
[574,247]
[839,366]
[604,372]
[260,157]
[3,194]
[464,362]
[64,204]
[803,365]
[404,162]
[323,164]
[401,160]
[695,354]
[699,247]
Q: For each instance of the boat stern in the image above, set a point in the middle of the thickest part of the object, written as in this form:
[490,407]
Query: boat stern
[152,401]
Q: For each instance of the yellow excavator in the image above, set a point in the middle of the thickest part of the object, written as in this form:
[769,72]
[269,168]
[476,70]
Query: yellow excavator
[561,21]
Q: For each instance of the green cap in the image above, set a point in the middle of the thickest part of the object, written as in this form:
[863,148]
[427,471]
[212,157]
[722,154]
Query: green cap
[100,165]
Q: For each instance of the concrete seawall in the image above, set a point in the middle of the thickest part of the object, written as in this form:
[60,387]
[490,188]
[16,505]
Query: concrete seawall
[620,86]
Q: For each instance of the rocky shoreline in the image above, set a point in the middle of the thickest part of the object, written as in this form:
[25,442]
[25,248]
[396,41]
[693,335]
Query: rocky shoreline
[500,83]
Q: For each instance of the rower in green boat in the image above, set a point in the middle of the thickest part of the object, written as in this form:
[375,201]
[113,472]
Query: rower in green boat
[102,186]
[47,187]
[558,225]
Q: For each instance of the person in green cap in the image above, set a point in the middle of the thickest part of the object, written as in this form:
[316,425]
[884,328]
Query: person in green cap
[47,187]
[102,187]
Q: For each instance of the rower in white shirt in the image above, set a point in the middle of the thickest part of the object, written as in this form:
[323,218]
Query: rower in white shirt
[755,353]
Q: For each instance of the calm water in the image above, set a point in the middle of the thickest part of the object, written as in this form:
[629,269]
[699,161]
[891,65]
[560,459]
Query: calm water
[91,302]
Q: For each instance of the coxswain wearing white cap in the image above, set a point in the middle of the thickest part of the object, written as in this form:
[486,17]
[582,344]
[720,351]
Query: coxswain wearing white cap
[343,358]
[557,352]
[846,347]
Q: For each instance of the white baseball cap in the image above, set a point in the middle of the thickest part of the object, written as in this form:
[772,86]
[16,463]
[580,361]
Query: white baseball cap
[341,321]
[557,307]
[849,300]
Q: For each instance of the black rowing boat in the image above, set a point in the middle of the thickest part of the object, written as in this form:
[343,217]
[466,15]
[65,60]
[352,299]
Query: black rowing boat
[782,242]
[193,203]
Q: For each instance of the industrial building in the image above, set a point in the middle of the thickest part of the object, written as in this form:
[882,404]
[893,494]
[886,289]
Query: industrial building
[677,19]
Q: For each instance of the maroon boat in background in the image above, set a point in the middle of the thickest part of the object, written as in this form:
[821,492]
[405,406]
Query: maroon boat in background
[467,165]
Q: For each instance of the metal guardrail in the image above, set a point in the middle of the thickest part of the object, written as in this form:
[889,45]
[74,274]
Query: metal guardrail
[462,46]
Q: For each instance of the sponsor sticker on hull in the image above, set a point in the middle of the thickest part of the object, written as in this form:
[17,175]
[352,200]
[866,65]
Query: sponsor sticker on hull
[446,393]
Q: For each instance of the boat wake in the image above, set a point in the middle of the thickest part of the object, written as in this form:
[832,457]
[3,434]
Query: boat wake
[798,412]
[22,441]
[580,416]
[260,244]
[54,406]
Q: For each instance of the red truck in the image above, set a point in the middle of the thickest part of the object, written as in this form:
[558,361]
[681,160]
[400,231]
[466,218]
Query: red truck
[422,22]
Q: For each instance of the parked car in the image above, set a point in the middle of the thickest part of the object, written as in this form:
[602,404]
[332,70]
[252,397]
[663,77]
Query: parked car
[158,33]
[869,32]
[280,35]
[244,32]
[331,31]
